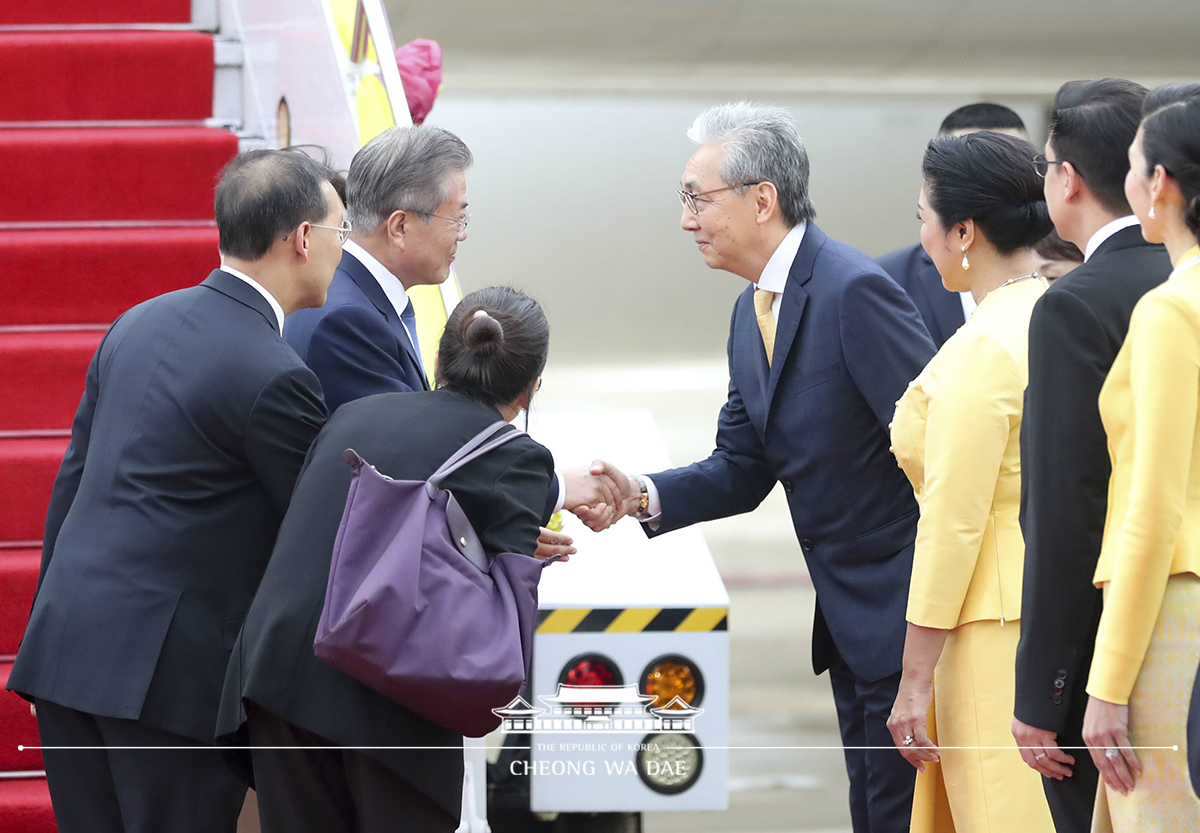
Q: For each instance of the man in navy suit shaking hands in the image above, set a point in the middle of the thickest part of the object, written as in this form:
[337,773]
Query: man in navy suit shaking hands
[821,345]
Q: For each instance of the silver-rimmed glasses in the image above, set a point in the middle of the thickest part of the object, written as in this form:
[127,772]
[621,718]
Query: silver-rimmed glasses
[692,202]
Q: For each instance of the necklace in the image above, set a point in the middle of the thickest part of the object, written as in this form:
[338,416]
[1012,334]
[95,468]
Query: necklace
[1022,278]
[1185,265]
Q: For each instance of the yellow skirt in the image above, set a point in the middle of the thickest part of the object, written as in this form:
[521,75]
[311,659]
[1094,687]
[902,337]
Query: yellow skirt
[1161,800]
[977,789]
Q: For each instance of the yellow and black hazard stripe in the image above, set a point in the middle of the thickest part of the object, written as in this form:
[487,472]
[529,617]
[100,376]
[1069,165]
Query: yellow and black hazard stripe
[632,619]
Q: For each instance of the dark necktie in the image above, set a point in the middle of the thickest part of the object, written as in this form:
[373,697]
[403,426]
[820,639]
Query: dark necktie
[409,317]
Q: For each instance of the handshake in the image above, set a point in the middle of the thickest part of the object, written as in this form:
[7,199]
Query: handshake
[599,496]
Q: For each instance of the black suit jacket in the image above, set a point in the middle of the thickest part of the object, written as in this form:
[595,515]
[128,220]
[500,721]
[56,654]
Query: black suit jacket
[940,309]
[1074,335]
[192,429]
[848,342]
[355,343]
[405,436]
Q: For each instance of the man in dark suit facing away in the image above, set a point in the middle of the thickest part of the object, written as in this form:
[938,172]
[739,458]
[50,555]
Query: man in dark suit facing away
[194,424]
[821,345]
[944,311]
[1074,335]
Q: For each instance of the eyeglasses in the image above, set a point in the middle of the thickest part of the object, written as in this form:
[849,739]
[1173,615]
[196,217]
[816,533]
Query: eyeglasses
[343,230]
[1042,165]
[692,201]
[461,223]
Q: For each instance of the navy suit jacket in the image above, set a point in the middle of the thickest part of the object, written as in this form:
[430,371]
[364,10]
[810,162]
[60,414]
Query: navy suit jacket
[847,343]
[355,343]
[940,309]
[194,423]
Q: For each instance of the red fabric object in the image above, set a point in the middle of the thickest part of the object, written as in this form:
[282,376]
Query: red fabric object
[17,728]
[420,63]
[91,276]
[91,11]
[63,76]
[18,579]
[112,173]
[27,470]
[25,806]
[42,377]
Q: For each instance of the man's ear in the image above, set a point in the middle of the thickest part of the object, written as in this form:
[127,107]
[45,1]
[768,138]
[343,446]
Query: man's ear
[1072,183]
[299,241]
[766,201]
[398,224]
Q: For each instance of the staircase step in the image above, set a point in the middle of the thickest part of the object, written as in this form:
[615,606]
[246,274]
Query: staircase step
[27,469]
[25,806]
[112,173]
[18,580]
[90,276]
[65,76]
[18,727]
[89,11]
[42,377]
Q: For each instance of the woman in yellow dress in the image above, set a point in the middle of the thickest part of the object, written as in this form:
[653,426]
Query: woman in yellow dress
[956,435]
[1148,644]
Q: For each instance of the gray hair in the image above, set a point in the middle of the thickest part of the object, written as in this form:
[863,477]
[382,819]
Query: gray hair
[761,145]
[404,168]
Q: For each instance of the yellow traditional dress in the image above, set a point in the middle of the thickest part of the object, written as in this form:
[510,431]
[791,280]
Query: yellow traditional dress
[1148,644]
[956,435]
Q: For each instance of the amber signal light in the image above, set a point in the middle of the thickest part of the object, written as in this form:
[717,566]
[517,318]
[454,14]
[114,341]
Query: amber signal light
[673,676]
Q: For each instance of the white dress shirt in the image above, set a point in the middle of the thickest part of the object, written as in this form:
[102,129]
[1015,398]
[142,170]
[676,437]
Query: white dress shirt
[1106,231]
[261,291]
[773,279]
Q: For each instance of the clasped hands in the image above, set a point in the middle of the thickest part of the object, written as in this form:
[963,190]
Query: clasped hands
[599,495]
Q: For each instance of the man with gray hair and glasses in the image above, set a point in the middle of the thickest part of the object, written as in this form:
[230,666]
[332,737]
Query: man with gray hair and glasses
[406,197]
[406,200]
[821,345]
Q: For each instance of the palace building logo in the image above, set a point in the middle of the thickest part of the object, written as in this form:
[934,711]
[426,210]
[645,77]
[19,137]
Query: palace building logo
[606,709]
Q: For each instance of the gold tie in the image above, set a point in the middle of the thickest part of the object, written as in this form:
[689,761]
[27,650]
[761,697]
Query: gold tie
[763,298]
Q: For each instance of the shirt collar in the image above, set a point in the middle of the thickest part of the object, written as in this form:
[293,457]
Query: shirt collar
[775,274]
[1106,231]
[389,283]
[261,290]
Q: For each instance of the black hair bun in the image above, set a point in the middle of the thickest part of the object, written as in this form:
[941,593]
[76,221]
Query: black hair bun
[483,334]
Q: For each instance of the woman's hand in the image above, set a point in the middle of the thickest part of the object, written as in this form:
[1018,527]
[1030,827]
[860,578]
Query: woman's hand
[907,722]
[1106,732]
[557,545]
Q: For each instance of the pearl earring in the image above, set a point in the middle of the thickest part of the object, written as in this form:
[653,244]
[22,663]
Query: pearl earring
[1152,214]
[966,264]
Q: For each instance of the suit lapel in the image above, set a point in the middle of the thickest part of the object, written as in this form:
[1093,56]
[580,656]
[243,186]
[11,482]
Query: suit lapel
[791,308]
[362,277]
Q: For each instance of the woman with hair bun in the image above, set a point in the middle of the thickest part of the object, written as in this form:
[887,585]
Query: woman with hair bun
[388,769]
[956,435]
[1148,643]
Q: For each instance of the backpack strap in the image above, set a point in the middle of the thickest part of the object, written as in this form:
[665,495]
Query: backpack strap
[477,446]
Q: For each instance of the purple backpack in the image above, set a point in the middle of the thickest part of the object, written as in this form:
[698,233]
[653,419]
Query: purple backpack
[416,609]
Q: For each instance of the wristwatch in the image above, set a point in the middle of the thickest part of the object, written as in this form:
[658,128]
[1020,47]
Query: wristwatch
[644,499]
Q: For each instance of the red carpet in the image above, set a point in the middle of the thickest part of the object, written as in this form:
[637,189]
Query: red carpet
[81,76]
[95,219]
[25,806]
[131,173]
[18,580]
[85,276]
[42,377]
[27,470]
[41,12]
